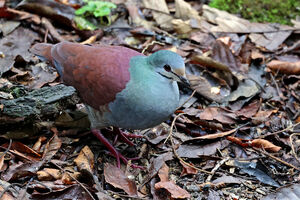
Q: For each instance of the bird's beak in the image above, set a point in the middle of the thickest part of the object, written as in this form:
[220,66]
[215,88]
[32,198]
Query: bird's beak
[180,77]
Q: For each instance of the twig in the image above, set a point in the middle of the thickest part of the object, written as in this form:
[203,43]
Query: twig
[47,24]
[173,147]
[127,196]
[152,43]
[8,149]
[293,148]
[277,87]
[187,99]
[213,171]
[280,131]
[171,128]
[90,40]
[277,159]
[75,180]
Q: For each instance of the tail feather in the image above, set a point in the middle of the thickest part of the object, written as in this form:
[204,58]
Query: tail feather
[43,51]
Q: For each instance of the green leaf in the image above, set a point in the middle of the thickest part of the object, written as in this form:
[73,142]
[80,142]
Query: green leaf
[84,24]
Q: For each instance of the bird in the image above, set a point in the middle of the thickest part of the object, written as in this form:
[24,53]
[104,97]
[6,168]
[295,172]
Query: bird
[119,86]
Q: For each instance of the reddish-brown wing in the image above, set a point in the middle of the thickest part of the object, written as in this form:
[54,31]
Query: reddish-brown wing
[97,72]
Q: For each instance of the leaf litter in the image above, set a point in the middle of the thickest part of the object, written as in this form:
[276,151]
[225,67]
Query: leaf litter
[245,109]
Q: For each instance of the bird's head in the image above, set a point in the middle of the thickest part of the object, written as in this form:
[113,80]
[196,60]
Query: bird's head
[169,65]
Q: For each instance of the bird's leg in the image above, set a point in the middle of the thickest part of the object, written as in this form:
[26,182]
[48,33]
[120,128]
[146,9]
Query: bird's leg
[113,150]
[110,147]
[124,136]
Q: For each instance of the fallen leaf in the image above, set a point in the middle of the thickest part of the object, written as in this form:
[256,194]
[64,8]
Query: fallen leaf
[187,170]
[219,114]
[284,67]
[195,151]
[265,144]
[257,170]
[291,191]
[48,174]
[175,191]
[74,192]
[16,43]
[85,160]
[185,11]
[116,177]
[51,148]
[163,20]
[163,173]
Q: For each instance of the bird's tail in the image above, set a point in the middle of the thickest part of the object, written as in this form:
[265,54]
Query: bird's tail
[43,51]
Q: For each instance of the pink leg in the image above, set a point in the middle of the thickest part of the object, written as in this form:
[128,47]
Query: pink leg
[106,143]
[124,136]
[113,150]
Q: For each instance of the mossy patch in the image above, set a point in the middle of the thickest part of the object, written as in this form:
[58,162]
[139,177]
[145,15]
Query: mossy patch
[273,11]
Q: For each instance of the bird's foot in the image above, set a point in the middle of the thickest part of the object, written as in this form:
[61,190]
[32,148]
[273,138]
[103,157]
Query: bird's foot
[113,150]
[124,136]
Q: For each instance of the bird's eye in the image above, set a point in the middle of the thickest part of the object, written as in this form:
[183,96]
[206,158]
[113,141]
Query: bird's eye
[167,68]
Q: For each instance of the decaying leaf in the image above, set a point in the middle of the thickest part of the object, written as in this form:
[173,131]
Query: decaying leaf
[284,67]
[116,177]
[265,144]
[85,160]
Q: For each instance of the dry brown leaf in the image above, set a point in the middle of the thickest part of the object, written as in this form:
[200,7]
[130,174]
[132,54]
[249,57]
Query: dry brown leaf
[175,191]
[51,148]
[216,113]
[6,195]
[85,160]
[265,144]
[163,20]
[37,146]
[185,11]
[163,173]
[23,151]
[116,177]
[187,169]
[48,174]
[214,135]
[284,67]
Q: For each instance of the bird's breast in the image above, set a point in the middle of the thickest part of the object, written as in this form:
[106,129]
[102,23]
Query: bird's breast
[144,104]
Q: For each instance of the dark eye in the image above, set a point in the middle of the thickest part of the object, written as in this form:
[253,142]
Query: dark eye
[167,68]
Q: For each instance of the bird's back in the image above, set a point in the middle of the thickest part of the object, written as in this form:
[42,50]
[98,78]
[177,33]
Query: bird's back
[97,72]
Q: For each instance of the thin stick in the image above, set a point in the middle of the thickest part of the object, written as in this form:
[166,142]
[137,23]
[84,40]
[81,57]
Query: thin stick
[187,99]
[277,159]
[280,131]
[8,149]
[213,171]
[293,148]
[173,147]
[75,180]
[148,45]
[171,128]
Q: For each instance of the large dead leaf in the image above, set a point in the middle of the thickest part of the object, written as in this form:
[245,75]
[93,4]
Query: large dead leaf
[74,192]
[52,146]
[219,114]
[284,67]
[116,177]
[175,191]
[265,144]
[286,193]
[271,37]
[85,160]
[16,43]
[195,151]
[185,11]
[163,20]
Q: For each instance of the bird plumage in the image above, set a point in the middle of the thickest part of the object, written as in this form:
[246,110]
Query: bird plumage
[121,87]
